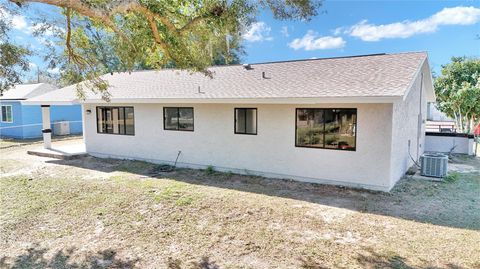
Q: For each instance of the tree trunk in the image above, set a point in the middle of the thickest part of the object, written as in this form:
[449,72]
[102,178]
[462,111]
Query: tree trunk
[462,127]
[471,126]
[458,122]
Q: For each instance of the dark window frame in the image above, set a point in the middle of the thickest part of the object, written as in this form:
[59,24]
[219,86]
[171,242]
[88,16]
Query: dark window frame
[324,109]
[235,120]
[104,125]
[178,115]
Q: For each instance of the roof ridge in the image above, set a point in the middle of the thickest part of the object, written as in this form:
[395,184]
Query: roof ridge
[275,62]
[330,58]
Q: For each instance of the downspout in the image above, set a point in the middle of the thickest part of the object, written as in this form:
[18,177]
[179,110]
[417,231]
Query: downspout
[420,118]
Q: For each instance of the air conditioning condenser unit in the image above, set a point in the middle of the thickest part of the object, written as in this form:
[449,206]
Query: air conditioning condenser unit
[434,164]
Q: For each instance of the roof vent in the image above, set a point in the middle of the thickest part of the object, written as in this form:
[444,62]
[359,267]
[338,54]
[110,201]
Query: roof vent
[264,76]
[247,66]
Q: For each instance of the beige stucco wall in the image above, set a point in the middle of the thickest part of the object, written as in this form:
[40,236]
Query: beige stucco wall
[408,124]
[271,153]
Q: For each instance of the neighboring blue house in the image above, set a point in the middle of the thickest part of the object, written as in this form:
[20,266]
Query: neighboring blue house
[25,121]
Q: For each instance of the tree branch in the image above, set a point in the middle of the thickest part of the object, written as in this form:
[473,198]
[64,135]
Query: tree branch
[69,34]
[126,7]
[84,10]
[194,22]
[134,6]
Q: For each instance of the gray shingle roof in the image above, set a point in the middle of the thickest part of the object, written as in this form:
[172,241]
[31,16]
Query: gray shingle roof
[25,91]
[386,75]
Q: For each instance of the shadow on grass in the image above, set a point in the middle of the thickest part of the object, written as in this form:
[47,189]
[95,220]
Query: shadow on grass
[35,258]
[394,261]
[372,259]
[451,204]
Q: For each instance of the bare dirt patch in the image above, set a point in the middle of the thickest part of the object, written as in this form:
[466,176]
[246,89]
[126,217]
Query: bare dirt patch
[104,213]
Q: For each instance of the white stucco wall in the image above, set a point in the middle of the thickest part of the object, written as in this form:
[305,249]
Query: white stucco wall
[445,144]
[408,124]
[271,153]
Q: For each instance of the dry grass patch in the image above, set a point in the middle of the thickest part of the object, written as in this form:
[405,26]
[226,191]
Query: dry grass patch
[135,216]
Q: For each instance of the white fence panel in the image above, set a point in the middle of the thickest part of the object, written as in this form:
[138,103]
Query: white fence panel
[449,142]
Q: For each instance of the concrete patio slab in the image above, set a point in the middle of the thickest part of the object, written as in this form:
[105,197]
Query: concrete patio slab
[66,152]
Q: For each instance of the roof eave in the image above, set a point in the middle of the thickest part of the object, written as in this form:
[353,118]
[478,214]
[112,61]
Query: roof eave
[12,99]
[52,103]
[307,100]
[429,89]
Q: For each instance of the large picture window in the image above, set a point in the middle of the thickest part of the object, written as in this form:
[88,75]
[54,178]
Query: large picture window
[178,118]
[115,120]
[6,114]
[326,128]
[246,121]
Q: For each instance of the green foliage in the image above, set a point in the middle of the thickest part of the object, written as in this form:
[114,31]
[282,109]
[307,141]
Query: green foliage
[103,36]
[210,170]
[13,58]
[451,177]
[309,136]
[458,92]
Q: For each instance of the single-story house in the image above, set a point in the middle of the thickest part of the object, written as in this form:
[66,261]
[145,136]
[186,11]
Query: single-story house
[355,121]
[22,121]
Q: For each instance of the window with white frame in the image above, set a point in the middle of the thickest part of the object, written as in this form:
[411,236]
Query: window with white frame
[6,113]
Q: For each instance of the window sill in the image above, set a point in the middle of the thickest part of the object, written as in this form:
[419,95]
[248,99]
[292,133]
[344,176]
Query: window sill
[350,150]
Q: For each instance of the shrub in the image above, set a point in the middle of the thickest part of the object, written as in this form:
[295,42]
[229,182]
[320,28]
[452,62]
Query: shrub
[210,170]
[451,177]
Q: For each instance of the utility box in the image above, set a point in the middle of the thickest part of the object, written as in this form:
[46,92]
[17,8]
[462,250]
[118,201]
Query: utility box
[61,128]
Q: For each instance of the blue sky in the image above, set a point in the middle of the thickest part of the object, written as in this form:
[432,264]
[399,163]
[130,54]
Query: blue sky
[442,28]
[451,33]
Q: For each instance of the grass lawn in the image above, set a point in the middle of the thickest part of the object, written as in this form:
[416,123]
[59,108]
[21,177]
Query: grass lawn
[94,213]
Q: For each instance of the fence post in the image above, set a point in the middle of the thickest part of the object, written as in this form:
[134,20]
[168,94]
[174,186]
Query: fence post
[476,139]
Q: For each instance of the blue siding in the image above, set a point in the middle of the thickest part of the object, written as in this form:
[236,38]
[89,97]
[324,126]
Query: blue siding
[28,118]
[13,129]
[73,114]
[32,121]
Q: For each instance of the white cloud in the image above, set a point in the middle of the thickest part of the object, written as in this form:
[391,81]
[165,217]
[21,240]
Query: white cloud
[405,29]
[18,22]
[32,65]
[55,70]
[46,30]
[312,41]
[284,31]
[258,31]
[338,31]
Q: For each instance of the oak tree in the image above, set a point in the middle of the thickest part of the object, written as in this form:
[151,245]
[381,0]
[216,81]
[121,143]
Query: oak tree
[103,36]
